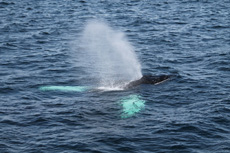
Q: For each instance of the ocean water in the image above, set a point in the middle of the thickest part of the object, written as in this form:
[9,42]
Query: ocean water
[40,48]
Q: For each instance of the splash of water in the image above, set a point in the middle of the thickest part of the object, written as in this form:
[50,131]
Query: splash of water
[110,57]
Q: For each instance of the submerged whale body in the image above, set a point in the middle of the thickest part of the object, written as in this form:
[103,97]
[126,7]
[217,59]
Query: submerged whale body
[147,79]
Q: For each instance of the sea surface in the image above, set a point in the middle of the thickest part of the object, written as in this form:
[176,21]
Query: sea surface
[188,39]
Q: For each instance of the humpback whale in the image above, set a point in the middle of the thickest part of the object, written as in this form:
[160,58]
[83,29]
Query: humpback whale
[148,79]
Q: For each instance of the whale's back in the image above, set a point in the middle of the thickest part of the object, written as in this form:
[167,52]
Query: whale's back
[147,79]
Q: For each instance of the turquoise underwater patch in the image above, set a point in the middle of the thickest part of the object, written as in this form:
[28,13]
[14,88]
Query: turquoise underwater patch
[131,105]
[64,88]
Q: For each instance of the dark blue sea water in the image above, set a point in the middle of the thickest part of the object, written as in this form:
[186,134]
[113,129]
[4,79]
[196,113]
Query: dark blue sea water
[188,39]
